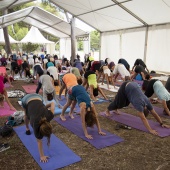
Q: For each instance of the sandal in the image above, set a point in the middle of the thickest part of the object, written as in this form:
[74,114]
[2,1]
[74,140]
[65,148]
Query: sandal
[28,132]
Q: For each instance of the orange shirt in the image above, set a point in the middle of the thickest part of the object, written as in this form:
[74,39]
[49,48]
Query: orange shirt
[70,80]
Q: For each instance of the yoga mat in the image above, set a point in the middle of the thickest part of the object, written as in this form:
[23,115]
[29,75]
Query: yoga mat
[60,155]
[98,141]
[104,86]
[6,110]
[139,82]
[57,89]
[159,111]
[137,123]
[57,110]
[30,88]
[6,85]
[162,78]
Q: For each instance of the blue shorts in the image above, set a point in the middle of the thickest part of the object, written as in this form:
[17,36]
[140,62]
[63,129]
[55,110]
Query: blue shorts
[28,97]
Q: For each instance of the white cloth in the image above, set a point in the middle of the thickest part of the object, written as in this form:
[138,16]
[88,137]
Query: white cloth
[107,71]
[31,61]
[121,69]
[53,71]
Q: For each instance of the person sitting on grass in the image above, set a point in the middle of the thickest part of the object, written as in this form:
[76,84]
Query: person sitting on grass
[39,117]
[87,109]
[156,86]
[3,94]
[130,92]
[91,81]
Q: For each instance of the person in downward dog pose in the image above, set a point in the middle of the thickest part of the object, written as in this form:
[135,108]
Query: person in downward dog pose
[39,117]
[156,86]
[130,92]
[87,109]
[91,81]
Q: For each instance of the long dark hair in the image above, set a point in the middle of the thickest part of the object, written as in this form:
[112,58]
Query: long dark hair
[45,129]
[90,118]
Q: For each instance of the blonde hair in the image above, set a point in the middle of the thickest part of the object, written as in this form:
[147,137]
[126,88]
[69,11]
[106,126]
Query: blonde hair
[45,129]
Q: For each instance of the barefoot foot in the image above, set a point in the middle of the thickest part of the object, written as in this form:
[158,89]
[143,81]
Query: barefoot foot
[62,118]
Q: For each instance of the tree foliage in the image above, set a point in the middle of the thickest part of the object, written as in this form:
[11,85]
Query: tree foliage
[29,47]
[95,40]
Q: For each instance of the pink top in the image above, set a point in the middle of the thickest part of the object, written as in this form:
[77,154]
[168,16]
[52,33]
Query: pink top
[1,84]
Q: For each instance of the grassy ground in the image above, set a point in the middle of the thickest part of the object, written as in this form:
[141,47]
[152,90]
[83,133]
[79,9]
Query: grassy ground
[139,150]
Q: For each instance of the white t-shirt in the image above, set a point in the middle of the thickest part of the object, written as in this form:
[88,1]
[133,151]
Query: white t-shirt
[53,71]
[121,69]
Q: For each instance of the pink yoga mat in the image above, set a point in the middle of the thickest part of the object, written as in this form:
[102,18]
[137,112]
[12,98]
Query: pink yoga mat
[6,110]
[6,85]
[137,123]
[30,88]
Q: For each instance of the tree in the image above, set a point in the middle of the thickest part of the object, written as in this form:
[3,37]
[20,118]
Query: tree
[95,40]
[80,45]
[29,47]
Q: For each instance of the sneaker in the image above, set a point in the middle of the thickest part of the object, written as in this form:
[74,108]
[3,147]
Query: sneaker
[4,147]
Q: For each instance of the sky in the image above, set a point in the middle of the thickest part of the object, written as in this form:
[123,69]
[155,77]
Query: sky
[78,23]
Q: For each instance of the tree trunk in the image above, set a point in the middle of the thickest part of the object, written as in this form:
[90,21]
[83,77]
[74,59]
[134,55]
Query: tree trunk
[6,37]
[73,48]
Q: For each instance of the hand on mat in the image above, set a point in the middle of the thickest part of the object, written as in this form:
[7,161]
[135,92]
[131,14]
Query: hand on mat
[60,106]
[102,133]
[44,159]
[59,98]
[89,136]
[12,108]
[154,132]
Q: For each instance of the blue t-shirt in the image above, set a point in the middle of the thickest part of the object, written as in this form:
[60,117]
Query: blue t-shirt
[137,97]
[81,95]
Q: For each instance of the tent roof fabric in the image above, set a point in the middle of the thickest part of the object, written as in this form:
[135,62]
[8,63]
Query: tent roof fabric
[110,15]
[41,19]
[35,36]
[11,3]
[2,40]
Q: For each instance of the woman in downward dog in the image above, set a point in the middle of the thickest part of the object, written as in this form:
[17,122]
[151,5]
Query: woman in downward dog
[87,109]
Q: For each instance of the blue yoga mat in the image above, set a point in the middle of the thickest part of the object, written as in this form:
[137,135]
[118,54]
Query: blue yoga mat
[60,155]
[98,141]
[57,110]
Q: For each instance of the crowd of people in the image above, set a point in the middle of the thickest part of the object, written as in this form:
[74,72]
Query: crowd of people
[80,80]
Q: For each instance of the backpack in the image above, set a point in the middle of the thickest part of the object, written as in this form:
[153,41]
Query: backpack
[6,130]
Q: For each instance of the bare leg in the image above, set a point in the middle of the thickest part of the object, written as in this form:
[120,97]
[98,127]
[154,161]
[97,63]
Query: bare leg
[64,109]
[26,123]
[72,108]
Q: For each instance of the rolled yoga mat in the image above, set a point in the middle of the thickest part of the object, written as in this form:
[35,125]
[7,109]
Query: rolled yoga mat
[60,155]
[137,123]
[98,141]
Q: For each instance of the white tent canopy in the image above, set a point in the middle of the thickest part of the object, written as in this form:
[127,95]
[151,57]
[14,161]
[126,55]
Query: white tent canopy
[108,15]
[41,19]
[2,40]
[10,3]
[35,36]
[129,29]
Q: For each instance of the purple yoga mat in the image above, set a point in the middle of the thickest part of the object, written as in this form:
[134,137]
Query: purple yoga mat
[5,111]
[139,82]
[137,123]
[98,141]
[159,110]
